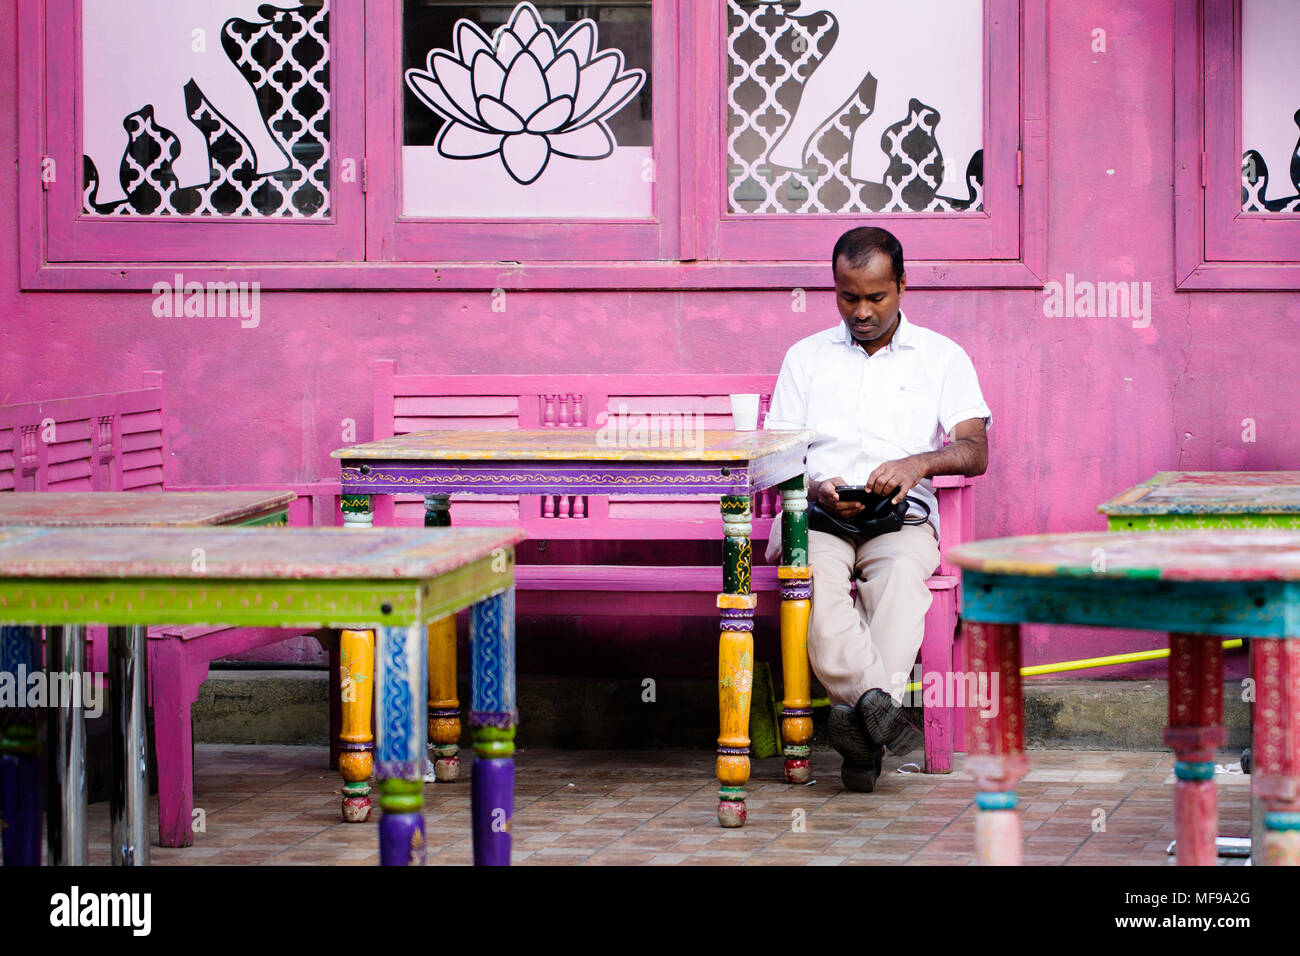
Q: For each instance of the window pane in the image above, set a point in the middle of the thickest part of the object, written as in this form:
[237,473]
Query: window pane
[203,108]
[521,111]
[1270,106]
[851,106]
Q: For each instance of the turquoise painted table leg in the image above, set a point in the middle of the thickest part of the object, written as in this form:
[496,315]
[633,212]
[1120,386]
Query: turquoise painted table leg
[1195,732]
[20,760]
[1275,771]
[493,715]
[996,742]
[399,743]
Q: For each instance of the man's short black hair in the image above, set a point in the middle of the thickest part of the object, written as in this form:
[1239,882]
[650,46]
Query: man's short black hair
[857,246]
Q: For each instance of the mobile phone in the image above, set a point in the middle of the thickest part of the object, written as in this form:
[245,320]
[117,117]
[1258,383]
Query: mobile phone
[860,494]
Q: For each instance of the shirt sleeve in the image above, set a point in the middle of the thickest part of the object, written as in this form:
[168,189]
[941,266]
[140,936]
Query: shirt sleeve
[961,398]
[788,410]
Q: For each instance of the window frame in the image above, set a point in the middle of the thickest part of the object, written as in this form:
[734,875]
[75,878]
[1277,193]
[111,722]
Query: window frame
[366,255]
[73,237]
[1217,247]
[990,234]
[392,237]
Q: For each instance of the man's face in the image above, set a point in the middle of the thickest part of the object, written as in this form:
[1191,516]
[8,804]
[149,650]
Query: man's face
[868,299]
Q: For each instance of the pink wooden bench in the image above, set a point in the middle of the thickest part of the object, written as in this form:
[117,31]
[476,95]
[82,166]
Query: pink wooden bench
[563,529]
[116,441]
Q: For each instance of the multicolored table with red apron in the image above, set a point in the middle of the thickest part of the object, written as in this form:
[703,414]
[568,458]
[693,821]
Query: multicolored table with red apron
[1200,586]
[1211,500]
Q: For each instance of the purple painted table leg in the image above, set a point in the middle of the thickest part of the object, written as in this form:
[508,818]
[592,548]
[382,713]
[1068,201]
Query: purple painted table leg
[20,764]
[401,833]
[493,716]
[492,791]
[401,659]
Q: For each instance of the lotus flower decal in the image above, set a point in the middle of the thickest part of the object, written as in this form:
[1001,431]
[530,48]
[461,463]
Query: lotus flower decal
[525,93]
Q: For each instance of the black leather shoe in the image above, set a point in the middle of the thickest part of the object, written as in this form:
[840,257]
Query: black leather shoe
[886,723]
[862,757]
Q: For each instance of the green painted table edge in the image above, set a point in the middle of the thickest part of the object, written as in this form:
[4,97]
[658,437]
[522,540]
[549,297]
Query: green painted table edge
[1210,521]
[262,602]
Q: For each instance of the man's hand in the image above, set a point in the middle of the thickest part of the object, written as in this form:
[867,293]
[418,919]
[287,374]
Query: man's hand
[966,454]
[830,501]
[903,474]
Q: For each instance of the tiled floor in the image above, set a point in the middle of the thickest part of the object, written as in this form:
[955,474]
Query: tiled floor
[281,805]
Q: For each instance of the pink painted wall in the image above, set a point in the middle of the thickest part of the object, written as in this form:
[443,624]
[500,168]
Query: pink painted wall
[1083,407]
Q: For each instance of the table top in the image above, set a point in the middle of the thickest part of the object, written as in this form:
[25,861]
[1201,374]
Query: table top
[578,444]
[1259,555]
[246,553]
[1209,493]
[135,508]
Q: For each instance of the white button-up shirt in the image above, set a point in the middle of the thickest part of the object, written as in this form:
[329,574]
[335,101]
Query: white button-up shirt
[869,409]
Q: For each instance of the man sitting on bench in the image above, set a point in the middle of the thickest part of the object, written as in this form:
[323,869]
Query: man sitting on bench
[880,393]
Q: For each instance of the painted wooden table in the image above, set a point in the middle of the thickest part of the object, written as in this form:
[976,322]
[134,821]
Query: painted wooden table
[1211,500]
[392,580]
[734,465]
[1200,586]
[1206,500]
[20,770]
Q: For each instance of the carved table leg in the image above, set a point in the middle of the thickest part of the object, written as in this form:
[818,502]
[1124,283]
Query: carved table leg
[1275,755]
[20,762]
[796,591]
[997,742]
[1195,731]
[444,708]
[356,673]
[735,662]
[399,749]
[493,716]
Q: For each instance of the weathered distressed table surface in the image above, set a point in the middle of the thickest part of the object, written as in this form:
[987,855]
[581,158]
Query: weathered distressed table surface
[1205,500]
[143,508]
[394,580]
[20,800]
[732,464]
[1200,587]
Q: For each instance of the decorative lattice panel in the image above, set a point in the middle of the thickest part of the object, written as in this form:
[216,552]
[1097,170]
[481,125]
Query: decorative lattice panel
[769,57]
[288,64]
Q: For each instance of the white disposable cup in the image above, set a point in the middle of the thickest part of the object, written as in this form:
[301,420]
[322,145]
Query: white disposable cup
[744,412]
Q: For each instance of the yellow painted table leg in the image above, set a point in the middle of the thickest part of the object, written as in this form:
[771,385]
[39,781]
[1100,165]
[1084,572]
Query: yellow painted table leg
[796,708]
[444,707]
[735,662]
[357,656]
[796,607]
[357,759]
[735,688]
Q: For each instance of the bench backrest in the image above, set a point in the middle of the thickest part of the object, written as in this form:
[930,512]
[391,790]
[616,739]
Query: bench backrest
[108,442]
[412,403]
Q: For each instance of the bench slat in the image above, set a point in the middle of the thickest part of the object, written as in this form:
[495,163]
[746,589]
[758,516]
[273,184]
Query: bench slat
[623,577]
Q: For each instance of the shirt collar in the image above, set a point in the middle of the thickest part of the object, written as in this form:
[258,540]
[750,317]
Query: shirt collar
[902,335]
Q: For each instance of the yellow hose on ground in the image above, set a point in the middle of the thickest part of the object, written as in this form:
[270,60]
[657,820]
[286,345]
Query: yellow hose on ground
[1087,662]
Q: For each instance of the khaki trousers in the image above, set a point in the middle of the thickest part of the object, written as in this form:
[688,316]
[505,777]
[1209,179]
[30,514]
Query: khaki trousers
[856,646]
